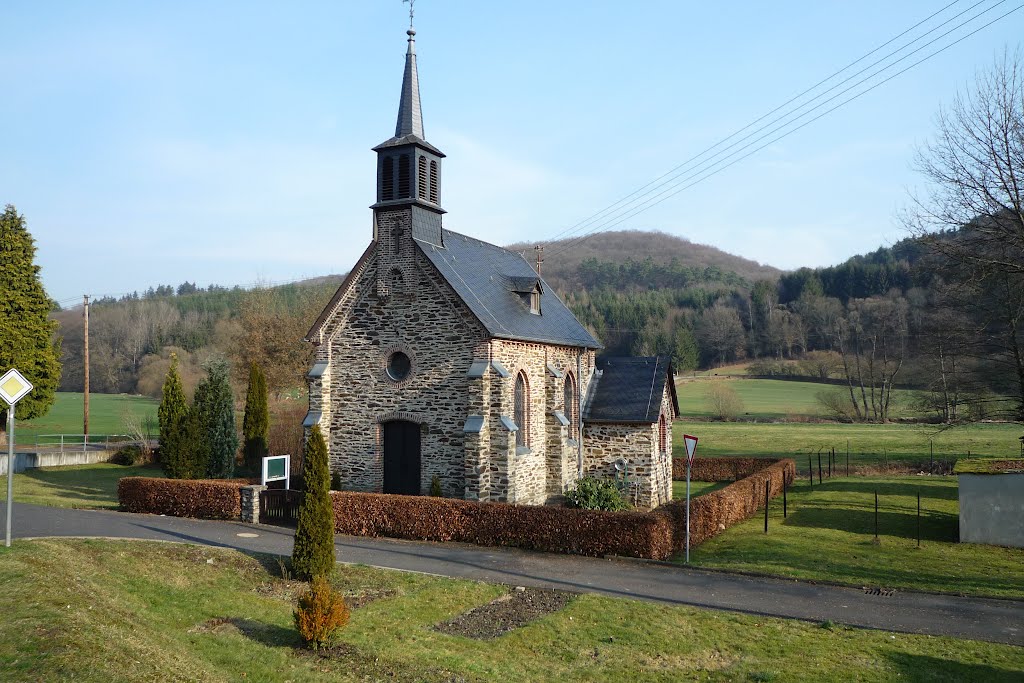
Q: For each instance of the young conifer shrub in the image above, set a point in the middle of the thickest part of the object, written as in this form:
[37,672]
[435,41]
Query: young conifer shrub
[313,552]
[320,614]
[256,423]
[173,416]
[435,486]
[219,422]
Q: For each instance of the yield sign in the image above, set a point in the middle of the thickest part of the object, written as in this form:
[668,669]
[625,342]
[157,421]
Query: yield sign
[691,446]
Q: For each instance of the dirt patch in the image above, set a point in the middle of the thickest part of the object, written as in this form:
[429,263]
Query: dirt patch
[511,611]
[343,657]
[366,596]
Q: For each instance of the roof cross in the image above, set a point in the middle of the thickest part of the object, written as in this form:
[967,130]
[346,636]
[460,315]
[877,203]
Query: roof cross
[412,10]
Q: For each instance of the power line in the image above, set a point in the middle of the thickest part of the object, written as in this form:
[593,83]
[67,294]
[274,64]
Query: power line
[674,187]
[579,225]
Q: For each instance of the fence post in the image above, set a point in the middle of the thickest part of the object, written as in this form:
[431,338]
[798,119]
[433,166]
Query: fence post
[810,469]
[767,485]
[847,457]
[819,465]
[918,519]
[784,510]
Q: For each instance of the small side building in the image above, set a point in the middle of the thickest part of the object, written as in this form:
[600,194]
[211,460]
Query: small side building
[991,501]
[628,421]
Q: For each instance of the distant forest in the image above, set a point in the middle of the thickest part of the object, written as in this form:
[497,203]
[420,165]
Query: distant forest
[872,321]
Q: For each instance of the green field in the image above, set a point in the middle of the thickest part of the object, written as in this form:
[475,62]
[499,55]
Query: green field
[829,535]
[106,415]
[133,611]
[771,398]
[870,444]
[74,486]
[697,488]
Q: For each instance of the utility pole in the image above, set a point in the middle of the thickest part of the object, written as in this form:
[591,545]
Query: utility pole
[540,257]
[85,356]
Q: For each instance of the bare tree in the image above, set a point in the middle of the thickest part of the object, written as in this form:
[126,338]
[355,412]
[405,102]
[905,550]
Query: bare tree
[972,214]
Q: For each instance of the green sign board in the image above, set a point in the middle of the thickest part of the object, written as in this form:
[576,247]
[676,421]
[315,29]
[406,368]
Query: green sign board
[276,468]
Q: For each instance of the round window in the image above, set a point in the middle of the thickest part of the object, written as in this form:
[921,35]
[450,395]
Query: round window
[399,366]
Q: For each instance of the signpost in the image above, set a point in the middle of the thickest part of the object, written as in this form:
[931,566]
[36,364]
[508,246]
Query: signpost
[13,387]
[691,448]
[276,468]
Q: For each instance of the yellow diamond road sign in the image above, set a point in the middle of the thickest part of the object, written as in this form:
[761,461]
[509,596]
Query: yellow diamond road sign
[13,386]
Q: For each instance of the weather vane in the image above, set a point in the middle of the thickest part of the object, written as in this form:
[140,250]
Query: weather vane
[412,10]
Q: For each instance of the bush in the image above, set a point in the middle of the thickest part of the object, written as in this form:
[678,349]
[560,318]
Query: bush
[835,404]
[181,498]
[723,401]
[320,614]
[336,481]
[595,494]
[132,454]
[435,486]
[313,552]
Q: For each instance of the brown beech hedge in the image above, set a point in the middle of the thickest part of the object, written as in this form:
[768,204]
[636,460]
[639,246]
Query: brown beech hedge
[714,512]
[205,499]
[549,529]
[719,469]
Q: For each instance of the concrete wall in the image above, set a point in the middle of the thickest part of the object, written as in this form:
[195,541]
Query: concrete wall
[992,509]
[24,461]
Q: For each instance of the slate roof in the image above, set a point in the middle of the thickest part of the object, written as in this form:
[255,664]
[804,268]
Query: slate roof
[629,389]
[486,278]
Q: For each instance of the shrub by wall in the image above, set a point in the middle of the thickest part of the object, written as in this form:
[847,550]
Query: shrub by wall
[712,513]
[543,528]
[204,499]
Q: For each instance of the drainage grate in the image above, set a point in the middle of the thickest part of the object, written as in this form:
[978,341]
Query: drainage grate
[884,592]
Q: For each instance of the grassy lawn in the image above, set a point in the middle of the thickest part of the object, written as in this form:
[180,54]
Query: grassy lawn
[869,443]
[74,486]
[106,415]
[829,535]
[131,611]
[771,398]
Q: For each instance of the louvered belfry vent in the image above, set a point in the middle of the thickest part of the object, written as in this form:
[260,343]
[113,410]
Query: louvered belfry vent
[387,179]
[433,182]
[404,179]
[421,177]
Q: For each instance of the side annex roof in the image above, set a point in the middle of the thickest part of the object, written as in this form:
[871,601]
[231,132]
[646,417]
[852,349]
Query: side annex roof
[629,389]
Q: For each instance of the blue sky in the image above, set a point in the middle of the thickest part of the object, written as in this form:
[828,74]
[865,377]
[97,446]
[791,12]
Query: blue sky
[229,142]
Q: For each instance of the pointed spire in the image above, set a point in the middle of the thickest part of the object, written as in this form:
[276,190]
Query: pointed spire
[410,117]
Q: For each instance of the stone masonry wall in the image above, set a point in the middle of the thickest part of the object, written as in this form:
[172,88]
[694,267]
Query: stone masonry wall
[650,470]
[398,303]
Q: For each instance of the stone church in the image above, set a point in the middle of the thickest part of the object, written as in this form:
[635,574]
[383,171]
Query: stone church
[444,356]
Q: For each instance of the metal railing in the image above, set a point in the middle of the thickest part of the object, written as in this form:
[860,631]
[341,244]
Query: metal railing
[80,442]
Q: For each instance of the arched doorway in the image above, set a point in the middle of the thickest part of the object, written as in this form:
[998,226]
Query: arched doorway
[402,457]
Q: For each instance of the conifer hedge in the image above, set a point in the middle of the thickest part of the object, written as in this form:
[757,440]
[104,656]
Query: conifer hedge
[313,553]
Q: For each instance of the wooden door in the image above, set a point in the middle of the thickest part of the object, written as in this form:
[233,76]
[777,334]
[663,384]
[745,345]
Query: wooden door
[402,458]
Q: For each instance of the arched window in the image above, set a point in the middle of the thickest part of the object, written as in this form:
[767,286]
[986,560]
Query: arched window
[387,179]
[421,178]
[404,179]
[433,182]
[522,411]
[570,407]
[662,434]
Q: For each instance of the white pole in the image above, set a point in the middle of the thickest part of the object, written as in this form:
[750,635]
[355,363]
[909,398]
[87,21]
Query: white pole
[10,469]
[687,510]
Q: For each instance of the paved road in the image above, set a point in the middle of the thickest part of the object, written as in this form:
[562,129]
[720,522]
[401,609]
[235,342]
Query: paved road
[1000,621]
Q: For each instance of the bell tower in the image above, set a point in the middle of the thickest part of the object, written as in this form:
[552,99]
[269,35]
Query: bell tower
[408,172]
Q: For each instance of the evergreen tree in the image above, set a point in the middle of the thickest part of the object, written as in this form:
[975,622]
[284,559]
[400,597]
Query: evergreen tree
[172,414]
[195,442]
[26,331]
[313,554]
[219,419]
[685,354]
[256,423]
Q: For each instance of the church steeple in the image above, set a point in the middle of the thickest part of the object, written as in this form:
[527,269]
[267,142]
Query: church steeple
[410,116]
[409,167]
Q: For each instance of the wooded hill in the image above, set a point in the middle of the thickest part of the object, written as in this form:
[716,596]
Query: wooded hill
[640,293]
